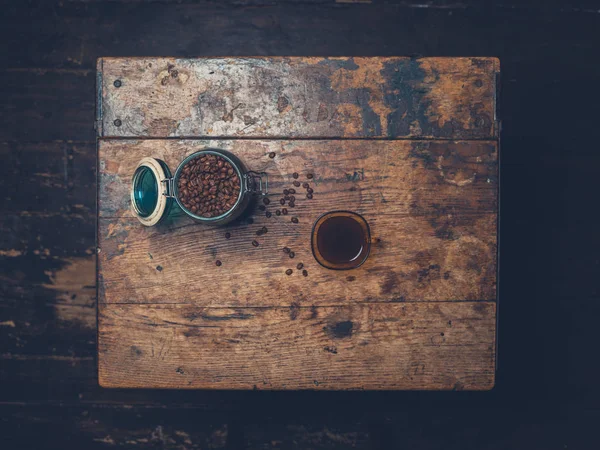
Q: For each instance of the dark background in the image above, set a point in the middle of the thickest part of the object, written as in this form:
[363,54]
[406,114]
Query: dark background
[547,393]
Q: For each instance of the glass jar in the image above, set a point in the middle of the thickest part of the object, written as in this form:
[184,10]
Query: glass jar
[153,189]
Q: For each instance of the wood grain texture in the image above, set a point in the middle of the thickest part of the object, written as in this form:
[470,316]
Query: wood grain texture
[397,346]
[431,207]
[448,98]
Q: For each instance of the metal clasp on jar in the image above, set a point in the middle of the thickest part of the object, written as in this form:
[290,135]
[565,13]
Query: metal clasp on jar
[253,179]
[169,191]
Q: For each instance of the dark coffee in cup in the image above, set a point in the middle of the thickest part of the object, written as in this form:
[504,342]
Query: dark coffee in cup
[341,240]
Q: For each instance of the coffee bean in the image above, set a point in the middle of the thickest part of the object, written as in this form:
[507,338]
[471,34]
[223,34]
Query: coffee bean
[268,214]
[266,200]
[292,204]
[264,230]
[207,185]
[286,192]
[292,191]
[305,272]
[287,197]
[305,185]
[286,250]
[282,201]
[295,174]
[299,266]
[284,211]
[294,220]
[255,243]
[309,176]
[309,196]
[278,212]
[296,183]
[292,198]
[259,232]
[292,254]
[262,207]
[227,235]
[272,155]
[289,272]
[218,263]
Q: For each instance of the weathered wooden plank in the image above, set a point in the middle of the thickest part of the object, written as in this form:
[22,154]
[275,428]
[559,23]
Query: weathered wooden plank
[377,346]
[335,425]
[42,105]
[450,98]
[48,305]
[98,427]
[67,34]
[52,235]
[398,177]
[431,208]
[52,177]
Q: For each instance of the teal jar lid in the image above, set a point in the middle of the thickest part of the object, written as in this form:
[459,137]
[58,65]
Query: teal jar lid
[148,202]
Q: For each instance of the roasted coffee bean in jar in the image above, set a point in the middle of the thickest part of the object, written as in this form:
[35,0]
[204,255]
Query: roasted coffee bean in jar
[208,185]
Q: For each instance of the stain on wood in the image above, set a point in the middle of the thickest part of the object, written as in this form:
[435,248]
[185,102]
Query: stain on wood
[270,351]
[384,97]
[431,207]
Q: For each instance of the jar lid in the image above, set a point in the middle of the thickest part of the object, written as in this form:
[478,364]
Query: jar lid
[148,200]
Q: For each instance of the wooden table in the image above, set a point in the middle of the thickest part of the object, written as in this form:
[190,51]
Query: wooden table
[411,144]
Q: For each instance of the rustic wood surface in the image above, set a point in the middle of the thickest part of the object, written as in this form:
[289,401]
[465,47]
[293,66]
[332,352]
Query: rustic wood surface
[546,395]
[408,346]
[451,98]
[431,207]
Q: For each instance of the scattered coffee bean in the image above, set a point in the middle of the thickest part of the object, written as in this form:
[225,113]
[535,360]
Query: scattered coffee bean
[305,272]
[294,220]
[286,192]
[305,185]
[296,183]
[218,263]
[309,176]
[295,174]
[264,230]
[278,212]
[286,250]
[228,235]
[309,196]
[266,200]
[292,254]
[292,191]
[268,214]
[292,204]
[282,201]
[292,198]
[287,197]
[310,191]
[208,185]
[259,232]
[299,266]
[262,207]
[272,155]
[255,243]
[289,272]
[284,211]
